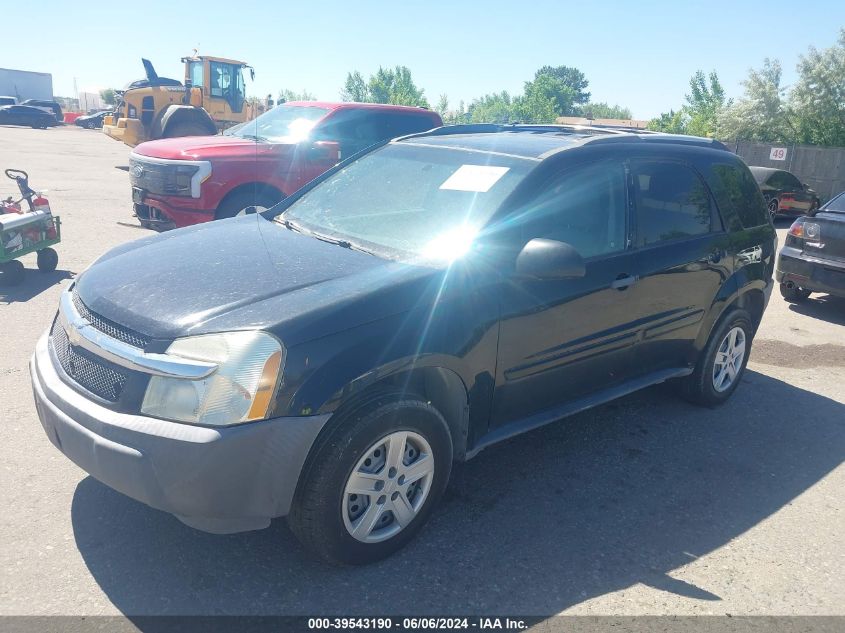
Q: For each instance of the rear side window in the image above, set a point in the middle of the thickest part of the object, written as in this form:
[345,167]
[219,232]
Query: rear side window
[737,194]
[671,202]
[393,124]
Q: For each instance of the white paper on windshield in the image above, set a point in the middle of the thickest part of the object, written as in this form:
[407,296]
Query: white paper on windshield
[477,178]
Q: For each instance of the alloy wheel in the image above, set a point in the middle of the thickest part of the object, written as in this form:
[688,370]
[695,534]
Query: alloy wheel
[388,487]
[729,359]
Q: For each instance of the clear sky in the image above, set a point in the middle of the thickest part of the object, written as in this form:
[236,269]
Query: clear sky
[637,54]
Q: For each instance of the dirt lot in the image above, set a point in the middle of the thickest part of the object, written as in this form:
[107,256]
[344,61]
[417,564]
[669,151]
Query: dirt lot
[644,506]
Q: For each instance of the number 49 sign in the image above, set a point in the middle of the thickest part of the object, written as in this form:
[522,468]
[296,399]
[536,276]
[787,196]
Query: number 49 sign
[777,153]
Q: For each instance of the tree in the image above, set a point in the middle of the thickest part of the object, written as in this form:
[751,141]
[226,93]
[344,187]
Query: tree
[563,85]
[107,95]
[355,88]
[818,98]
[700,114]
[396,86]
[494,108]
[286,95]
[604,111]
[388,85]
[762,114]
[704,104]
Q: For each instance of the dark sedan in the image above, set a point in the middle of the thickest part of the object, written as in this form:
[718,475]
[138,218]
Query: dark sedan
[92,121]
[27,116]
[50,106]
[813,257]
[784,193]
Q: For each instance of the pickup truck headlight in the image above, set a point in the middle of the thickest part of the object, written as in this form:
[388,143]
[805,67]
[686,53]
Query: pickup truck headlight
[240,389]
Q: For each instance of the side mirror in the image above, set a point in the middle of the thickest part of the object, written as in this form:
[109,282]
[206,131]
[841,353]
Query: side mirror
[549,259]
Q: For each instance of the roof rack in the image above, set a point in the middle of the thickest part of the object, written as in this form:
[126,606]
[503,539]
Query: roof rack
[601,134]
[537,128]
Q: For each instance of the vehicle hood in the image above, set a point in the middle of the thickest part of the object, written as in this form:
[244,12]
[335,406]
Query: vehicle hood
[205,147]
[245,273]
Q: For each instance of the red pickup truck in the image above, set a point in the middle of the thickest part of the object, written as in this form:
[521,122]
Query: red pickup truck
[181,181]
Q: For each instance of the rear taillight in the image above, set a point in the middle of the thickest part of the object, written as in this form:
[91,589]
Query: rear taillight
[805,230]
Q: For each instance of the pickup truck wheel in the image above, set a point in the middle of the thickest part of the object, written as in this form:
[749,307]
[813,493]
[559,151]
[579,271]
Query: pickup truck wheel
[373,480]
[722,363]
[793,294]
[245,203]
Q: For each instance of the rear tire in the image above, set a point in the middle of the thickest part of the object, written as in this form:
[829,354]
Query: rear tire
[794,294]
[773,207]
[707,385]
[245,203]
[353,529]
[11,273]
[48,259]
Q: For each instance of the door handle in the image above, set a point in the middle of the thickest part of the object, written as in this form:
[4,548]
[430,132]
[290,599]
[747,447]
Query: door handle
[623,281]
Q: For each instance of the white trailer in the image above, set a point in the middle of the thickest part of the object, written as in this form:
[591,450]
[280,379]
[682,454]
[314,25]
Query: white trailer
[24,84]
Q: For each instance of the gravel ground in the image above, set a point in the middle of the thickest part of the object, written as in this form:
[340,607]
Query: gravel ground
[644,506]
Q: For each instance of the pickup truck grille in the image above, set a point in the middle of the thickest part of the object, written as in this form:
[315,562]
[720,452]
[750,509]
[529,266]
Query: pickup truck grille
[164,179]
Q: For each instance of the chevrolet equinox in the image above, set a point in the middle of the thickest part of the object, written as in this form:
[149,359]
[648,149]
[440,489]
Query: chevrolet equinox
[330,358]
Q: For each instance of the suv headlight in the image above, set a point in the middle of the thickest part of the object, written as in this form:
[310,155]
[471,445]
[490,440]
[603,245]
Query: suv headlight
[240,389]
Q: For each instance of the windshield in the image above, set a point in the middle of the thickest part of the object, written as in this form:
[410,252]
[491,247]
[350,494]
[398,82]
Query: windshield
[411,201]
[283,124]
[837,204]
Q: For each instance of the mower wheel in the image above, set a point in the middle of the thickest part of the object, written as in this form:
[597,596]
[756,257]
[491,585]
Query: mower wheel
[11,273]
[48,259]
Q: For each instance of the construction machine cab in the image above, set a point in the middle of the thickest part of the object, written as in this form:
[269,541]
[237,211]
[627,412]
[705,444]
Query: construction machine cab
[212,98]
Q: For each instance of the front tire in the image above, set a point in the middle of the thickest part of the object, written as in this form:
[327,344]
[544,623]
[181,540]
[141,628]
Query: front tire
[773,208]
[372,480]
[721,365]
[245,203]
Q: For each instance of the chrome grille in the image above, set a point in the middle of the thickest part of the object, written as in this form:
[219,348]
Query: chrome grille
[108,327]
[90,372]
[161,178]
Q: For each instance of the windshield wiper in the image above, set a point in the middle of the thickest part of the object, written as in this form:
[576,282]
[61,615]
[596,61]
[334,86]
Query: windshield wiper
[323,238]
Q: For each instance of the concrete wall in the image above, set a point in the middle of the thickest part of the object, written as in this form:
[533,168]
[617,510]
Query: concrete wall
[26,85]
[823,168]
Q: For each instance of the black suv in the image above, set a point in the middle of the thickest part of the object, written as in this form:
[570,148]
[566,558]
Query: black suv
[330,358]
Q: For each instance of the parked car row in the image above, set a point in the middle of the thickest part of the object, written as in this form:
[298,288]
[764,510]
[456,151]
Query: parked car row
[360,327]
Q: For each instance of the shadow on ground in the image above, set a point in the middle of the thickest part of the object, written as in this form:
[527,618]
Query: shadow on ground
[620,495]
[821,306]
[34,283]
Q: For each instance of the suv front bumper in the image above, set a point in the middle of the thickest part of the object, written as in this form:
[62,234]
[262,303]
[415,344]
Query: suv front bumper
[816,274]
[219,480]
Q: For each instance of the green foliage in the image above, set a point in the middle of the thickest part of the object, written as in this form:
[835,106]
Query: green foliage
[603,111]
[563,85]
[388,85]
[762,113]
[818,98]
[355,88]
[107,95]
[553,92]
[700,114]
[286,95]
